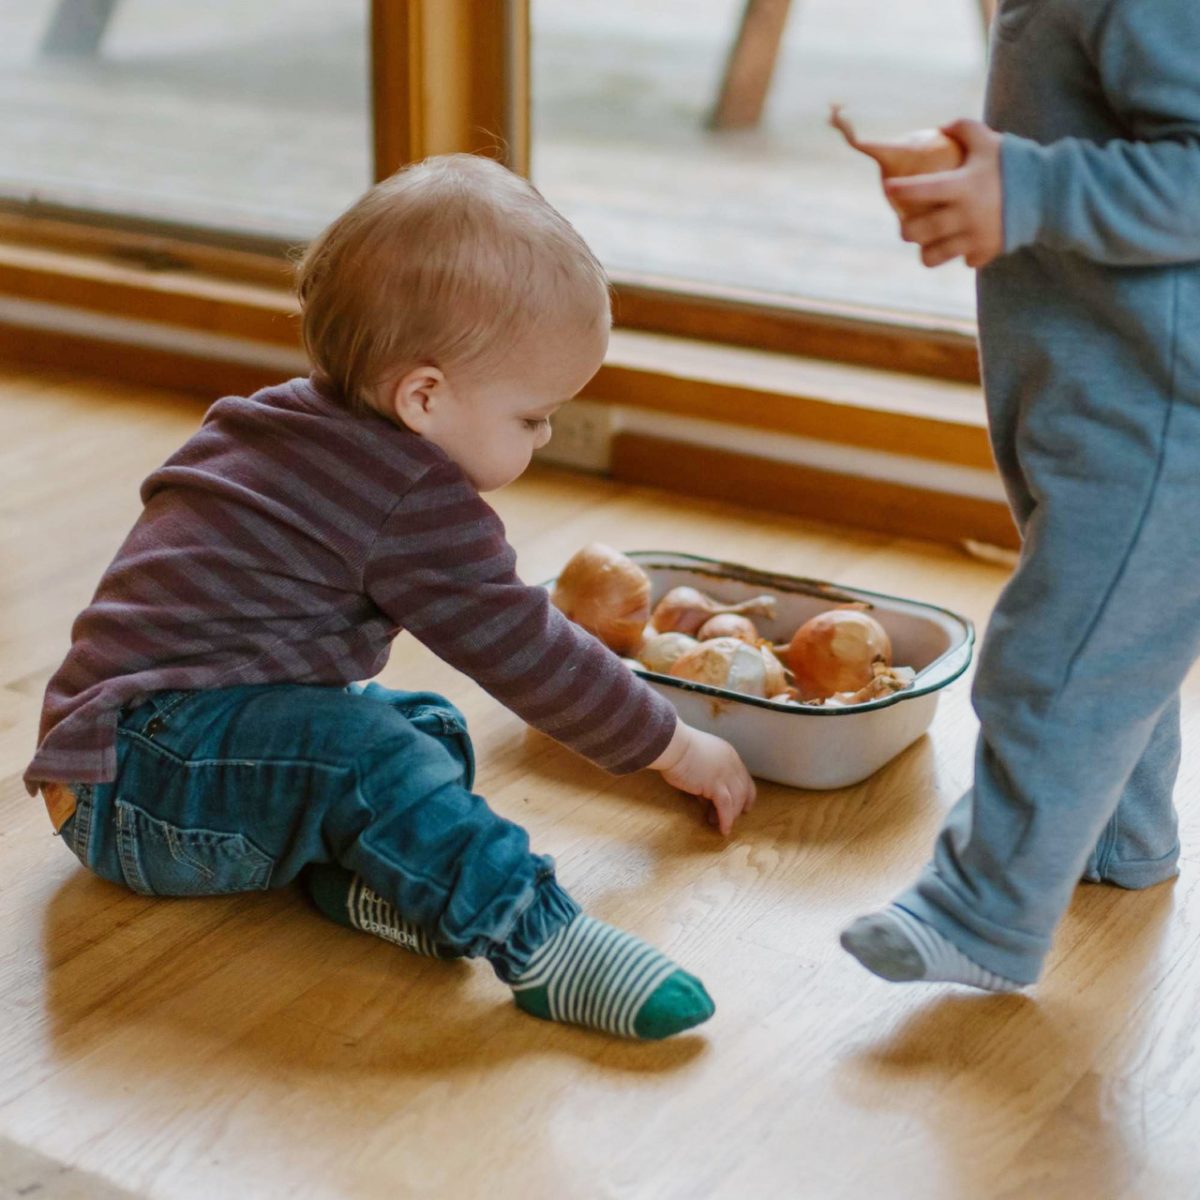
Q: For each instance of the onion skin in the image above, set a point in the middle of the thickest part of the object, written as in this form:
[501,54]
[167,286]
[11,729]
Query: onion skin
[836,651]
[919,153]
[608,594]
[729,625]
[684,610]
[660,651]
[731,664]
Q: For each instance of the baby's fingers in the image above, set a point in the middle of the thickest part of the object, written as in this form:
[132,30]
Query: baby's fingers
[741,784]
[751,795]
[726,809]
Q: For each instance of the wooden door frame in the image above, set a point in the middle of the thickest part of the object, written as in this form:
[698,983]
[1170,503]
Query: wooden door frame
[450,76]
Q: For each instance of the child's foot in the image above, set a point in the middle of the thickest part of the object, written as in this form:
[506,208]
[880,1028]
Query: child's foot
[898,947]
[343,897]
[591,974]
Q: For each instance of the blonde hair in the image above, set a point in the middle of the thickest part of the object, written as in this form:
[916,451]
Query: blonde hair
[450,262]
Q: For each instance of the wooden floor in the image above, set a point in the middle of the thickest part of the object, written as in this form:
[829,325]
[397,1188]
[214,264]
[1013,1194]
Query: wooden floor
[242,1047]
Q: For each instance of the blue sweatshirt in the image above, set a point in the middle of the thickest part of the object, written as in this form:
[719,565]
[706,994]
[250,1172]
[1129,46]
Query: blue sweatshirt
[1099,288]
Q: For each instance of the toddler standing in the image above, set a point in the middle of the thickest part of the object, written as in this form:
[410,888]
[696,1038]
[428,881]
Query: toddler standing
[204,734]
[1080,203]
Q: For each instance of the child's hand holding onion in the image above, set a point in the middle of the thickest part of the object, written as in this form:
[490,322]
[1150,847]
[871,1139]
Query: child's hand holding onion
[946,186]
[958,214]
[708,767]
[923,152]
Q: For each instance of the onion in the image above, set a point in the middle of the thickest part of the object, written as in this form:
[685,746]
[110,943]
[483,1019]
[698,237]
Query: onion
[729,663]
[729,625]
[683,609]
[836,651]
[608,594]
[918,153]
[660,650]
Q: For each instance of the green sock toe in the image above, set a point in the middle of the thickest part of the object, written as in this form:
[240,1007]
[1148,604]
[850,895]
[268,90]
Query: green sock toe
[589,973]
[678,1003]
[535,1001]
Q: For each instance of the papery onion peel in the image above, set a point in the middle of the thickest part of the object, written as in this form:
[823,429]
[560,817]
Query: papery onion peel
[608,594]
[836,651]
[731,664]
[684,610]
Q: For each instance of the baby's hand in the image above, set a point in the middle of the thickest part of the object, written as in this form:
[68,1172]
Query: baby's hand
[956,213]
[708,766]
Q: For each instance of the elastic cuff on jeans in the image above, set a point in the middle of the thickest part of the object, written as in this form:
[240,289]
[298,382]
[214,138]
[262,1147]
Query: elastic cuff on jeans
[549,909]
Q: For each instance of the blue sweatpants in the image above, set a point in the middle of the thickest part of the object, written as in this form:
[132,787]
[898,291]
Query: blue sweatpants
[1077,687]
[238,789]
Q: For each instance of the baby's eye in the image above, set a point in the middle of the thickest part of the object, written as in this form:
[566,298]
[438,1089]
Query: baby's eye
[533,424]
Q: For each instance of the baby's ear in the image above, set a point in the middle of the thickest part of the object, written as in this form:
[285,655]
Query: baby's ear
[415,396]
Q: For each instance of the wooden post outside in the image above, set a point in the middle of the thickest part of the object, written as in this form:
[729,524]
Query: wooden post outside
[751,65]
[77,28]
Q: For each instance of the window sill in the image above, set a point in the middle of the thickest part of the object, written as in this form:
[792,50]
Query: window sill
[188,329]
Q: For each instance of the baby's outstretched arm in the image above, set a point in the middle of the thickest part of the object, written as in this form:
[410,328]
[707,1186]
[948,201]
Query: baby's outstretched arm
[708,767]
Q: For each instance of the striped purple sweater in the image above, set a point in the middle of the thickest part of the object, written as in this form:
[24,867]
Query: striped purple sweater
[290,541]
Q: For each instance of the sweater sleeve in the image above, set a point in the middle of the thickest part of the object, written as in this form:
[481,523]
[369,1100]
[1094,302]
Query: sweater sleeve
[442,568]
[1134,200]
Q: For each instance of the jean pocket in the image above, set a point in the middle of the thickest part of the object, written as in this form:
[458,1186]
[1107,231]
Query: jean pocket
[161,859]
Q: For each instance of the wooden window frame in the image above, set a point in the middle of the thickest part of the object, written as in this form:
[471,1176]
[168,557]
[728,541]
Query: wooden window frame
[453,75]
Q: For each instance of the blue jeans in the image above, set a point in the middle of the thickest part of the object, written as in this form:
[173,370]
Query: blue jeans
[238,789]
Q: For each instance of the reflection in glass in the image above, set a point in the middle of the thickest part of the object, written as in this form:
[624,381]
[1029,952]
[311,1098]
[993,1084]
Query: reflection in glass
[242,115]
[623,92]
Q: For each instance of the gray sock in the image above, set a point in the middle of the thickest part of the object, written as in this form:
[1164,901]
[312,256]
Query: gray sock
[896,946]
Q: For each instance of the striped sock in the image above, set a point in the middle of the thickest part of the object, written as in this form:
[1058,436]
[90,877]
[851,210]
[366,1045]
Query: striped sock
[899,947]
[343,897]
[591,974]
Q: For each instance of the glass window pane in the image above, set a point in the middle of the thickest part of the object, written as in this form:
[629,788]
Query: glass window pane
[251,117]
[622,91]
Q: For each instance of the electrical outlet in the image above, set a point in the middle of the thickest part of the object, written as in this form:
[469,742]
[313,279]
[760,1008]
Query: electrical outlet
[581,436]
